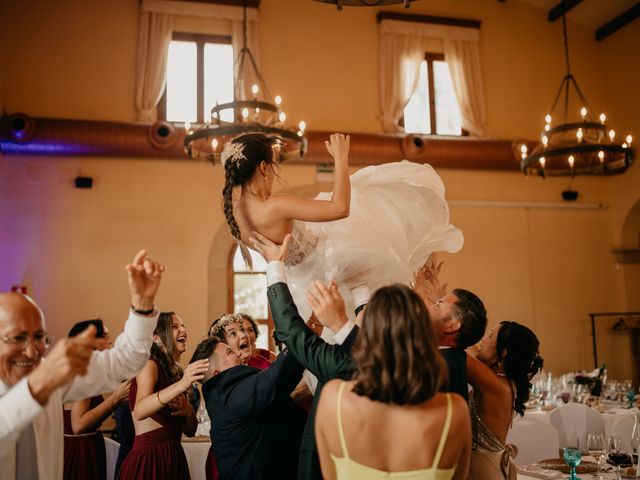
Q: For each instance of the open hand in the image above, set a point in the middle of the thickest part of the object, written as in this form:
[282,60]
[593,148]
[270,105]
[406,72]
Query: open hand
[426,282]
[327,305]
[194,372]
[144,279]
[338,146]
[269,250]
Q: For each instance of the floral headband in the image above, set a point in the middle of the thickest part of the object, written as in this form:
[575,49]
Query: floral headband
[234,152]
[223,321]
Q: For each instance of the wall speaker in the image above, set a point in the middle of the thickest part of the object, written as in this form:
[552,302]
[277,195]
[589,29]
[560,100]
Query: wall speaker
[84,182]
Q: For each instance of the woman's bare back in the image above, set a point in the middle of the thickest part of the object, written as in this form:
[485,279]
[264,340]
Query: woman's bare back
[254,214]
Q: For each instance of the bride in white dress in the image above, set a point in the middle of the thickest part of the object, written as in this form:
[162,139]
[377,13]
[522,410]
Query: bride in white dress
[375,227]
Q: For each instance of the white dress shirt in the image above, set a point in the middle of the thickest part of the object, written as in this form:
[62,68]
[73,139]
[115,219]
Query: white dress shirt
[276,273]
[107,369]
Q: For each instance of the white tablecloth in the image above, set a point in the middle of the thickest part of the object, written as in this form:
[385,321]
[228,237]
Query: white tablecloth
[196,452]
[610,417]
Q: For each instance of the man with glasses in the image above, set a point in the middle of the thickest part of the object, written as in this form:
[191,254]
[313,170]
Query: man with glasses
[32,391]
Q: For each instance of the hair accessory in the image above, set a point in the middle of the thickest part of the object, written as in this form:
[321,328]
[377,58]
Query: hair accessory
[233,151]
[223,321]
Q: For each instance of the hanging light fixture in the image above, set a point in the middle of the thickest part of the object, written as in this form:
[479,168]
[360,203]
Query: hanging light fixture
[582,147]
[366,3]
[262,113]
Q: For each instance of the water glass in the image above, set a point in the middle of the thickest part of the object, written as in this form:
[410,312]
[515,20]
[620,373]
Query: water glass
[572,457]
[596,446]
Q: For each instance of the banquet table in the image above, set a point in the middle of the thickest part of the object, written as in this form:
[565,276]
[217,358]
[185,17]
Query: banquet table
[609,417]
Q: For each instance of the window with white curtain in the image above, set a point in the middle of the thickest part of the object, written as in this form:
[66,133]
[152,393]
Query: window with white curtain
[199,75]
[433,107]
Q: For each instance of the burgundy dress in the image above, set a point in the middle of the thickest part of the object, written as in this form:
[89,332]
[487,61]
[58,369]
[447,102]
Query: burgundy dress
[84,454]
[157,454]
[211,469]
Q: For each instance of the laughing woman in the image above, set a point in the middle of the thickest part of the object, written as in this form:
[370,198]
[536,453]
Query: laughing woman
[161,410]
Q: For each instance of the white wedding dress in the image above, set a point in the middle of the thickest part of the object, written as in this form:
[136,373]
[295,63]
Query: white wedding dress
[398,217]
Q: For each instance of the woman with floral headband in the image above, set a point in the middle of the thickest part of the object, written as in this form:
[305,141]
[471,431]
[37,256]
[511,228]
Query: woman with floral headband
[375,227]
[232,329]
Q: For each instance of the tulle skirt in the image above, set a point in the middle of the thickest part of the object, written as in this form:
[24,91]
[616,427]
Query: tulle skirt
[398,217]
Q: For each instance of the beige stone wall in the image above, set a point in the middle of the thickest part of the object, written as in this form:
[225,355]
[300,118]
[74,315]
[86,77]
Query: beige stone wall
[547,268]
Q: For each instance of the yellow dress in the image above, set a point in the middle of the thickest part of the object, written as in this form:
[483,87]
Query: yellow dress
[348,469]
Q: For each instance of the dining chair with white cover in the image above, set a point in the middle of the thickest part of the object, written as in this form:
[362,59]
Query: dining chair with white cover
[574,422]
[535,440]
[623,429]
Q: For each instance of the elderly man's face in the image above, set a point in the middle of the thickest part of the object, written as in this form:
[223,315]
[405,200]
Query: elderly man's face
[19,318]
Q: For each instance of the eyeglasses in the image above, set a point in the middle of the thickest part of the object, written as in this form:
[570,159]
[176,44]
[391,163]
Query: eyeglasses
[40,340]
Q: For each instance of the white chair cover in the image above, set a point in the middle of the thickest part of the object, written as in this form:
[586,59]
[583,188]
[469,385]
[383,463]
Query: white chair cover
[535,441]
[623,429]
[573,422]
[111,448]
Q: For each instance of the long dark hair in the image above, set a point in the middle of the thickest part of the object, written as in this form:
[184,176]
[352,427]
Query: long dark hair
[80,327]
[255,148]
[522,360]
[397,360]
[164,358]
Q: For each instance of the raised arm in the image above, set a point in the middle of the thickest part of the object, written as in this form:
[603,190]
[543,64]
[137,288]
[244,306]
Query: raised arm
[297,208]
[107,369]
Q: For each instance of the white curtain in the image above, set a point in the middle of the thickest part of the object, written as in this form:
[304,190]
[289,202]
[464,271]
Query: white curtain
[400,57]
[252,42]
[462,53]
[463,58]
[154,36]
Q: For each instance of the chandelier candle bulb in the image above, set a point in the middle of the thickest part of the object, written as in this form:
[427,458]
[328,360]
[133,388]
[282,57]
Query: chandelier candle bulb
[278,100]
[629,139]
[571,161]
[282,117]
[612,135]
[255,90]
[214,144]
[187,126]
[547,127]
[542,161]
[579,135]
[624,145]
[545,141]
[303,126]
[245,113]
[583,113]
[547,118]
[603,118]
[601,156]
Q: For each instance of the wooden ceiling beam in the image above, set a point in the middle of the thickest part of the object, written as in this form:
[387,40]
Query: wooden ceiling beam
[618,22]
[561,8]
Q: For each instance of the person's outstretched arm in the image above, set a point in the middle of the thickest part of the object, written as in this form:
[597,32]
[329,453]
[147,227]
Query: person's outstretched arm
[285,207]
[323,360]
[107,369]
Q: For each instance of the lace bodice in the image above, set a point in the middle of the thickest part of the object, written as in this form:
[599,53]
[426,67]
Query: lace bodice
[303,243]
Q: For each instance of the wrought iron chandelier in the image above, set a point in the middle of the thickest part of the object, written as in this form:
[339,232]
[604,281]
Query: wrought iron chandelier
[580,147]
[366,3]
[258,114]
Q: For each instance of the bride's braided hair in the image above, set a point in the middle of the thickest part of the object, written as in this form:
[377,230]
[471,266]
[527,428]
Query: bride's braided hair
[248,151]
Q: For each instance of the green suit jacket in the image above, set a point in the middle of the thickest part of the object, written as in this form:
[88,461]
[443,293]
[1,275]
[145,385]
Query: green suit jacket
[325,361]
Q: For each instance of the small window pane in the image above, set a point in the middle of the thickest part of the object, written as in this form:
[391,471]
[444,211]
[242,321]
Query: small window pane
[250,294]
[218,78]
[259,265]
[448,120]
[416,113]
[182,82]
[263,338]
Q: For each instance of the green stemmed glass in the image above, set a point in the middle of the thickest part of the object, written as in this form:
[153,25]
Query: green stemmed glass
[572,457]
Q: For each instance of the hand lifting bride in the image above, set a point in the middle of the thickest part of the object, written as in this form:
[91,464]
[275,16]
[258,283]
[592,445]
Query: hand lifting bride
[375,227]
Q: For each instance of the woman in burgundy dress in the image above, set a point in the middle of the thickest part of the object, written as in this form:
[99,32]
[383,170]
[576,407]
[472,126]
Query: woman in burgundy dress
[160,407]
[84,450]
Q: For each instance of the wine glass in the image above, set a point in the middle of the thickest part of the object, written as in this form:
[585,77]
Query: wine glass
[635,440]
[572,457]
[616,455]
[596,446]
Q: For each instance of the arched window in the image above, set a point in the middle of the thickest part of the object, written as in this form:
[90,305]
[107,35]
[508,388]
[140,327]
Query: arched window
[248,293]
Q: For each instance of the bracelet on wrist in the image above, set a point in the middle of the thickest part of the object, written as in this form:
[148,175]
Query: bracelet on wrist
[160,401]
[142,312]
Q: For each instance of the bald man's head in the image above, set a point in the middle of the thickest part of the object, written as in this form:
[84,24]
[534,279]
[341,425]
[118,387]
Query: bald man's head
[21,337]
